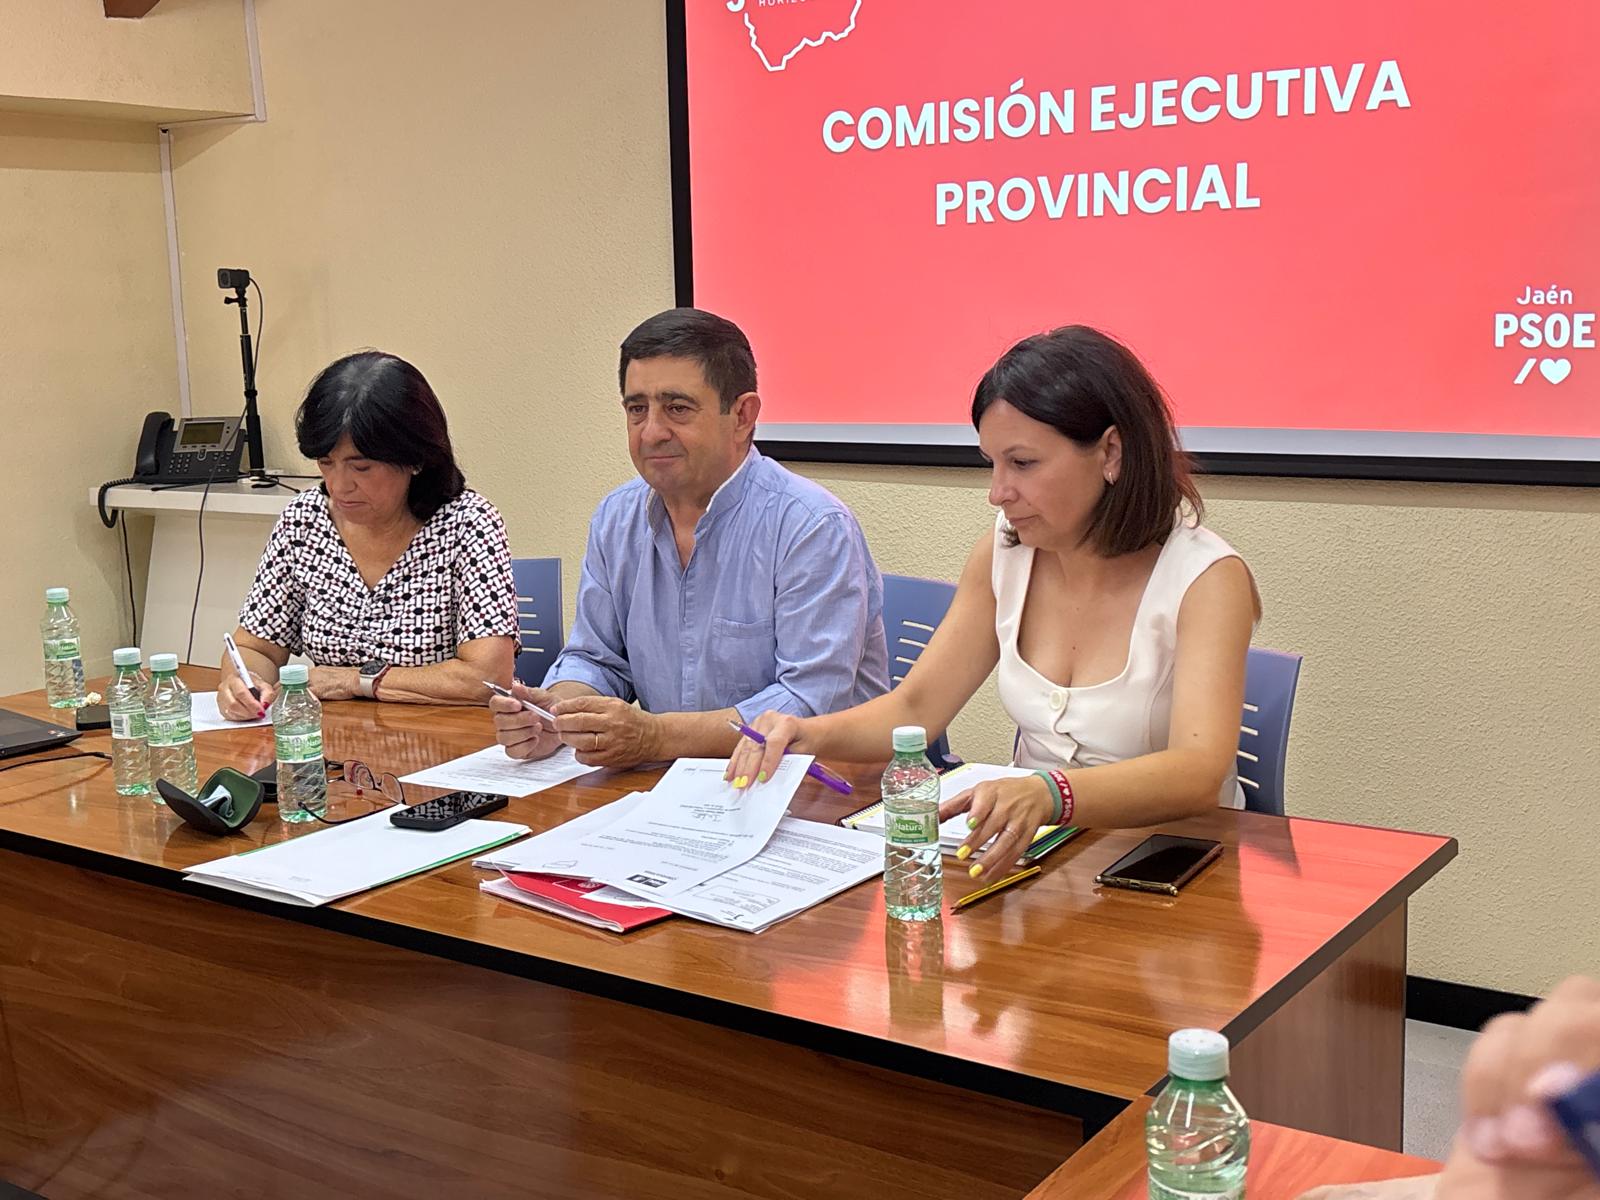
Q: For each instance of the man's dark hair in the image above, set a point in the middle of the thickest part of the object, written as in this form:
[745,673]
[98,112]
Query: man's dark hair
[391,415]
[717,344]
[1081,382]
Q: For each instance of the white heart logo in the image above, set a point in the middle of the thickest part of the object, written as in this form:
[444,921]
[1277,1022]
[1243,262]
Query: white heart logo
[1555,369]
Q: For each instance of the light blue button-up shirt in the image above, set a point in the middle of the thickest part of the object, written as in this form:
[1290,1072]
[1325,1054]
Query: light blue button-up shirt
[780,607]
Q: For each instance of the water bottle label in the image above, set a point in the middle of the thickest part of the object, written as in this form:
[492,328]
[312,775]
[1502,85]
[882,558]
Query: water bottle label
[128,724]
[912,829]
[61,648]
[169,731]
[300,747]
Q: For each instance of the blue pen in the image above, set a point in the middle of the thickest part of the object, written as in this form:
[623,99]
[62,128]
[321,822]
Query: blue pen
[1578,1112]
[816,770]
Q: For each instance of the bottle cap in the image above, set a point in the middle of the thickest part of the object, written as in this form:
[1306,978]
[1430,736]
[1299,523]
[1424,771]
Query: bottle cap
[55,595]
[126,656]
[294,673]
[163,663]
[1197,1054]
[909,738]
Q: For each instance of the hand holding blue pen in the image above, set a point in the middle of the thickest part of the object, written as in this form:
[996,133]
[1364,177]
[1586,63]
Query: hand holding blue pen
[1531,1100]
[816,770]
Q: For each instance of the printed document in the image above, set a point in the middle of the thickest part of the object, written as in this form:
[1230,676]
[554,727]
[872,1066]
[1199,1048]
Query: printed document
[690,826]
[567,849]
[803,864]
[329,864]
[493,770]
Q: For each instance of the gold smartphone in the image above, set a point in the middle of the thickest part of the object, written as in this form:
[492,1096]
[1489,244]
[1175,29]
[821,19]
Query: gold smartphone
[1161,863]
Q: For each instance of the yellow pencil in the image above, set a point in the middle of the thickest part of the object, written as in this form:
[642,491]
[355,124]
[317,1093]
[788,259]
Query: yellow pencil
[984,892]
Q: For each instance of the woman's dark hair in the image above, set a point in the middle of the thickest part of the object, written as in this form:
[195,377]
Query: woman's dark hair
[391,415]
[717,344]
[1081,382]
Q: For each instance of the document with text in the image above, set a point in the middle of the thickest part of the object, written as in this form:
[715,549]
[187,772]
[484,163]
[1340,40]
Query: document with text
[691,826]
[803,864]
[493,770]
[568,849]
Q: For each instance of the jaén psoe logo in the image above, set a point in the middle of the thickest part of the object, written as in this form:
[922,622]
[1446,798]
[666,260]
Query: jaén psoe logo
[780,29]
[1548,320]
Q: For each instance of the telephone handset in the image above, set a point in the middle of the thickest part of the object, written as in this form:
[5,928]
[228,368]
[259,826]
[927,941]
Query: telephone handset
[189,450]
[181,452]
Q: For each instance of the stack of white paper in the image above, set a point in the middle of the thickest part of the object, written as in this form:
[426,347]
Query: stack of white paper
[697,847]
[317,868]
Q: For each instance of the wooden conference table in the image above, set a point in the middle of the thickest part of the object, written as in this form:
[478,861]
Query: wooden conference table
[158,1038]
[1284,1163]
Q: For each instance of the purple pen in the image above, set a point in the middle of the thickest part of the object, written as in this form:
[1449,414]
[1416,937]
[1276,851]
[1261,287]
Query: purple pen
[816,770]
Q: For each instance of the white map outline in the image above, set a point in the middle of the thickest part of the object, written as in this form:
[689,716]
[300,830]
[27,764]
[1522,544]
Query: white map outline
[830,36]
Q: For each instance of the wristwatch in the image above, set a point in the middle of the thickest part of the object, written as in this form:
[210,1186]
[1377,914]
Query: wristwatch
[371,672]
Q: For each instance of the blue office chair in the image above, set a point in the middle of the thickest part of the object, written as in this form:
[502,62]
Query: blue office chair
[1270,679]
[912,610]
[538,583]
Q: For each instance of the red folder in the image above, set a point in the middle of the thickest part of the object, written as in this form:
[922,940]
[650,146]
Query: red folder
[568,897]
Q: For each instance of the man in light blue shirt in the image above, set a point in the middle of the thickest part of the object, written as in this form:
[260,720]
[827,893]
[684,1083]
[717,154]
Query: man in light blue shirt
[715,586]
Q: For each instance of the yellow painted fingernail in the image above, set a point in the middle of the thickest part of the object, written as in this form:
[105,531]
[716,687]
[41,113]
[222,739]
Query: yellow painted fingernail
[972,822]
[977,869]
[761,778]
[964,853]
[741,781]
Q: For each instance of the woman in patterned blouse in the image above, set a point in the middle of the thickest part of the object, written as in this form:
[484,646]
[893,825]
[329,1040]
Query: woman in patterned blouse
[392,577]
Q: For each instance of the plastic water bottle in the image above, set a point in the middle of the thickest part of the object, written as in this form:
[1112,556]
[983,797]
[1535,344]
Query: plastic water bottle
[63,652]
[130,748]
[168,721]
[913,868]
[1197,1134]
[297,729]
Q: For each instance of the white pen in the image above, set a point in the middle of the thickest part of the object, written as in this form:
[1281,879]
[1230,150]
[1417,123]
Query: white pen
[548,718]
[238,665]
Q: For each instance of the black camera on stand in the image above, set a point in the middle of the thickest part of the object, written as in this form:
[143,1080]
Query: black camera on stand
[237,280]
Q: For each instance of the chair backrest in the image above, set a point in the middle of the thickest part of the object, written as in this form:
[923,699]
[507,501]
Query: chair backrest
[538,583]
[1270,679]
[912,610]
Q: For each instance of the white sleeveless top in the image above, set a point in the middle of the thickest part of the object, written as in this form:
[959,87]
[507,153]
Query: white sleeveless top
[1121,718]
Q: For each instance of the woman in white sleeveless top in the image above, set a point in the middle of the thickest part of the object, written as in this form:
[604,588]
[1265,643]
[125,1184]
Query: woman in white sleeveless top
[1118,622]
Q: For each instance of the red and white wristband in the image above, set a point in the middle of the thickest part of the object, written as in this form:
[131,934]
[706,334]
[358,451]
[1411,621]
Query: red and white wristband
[1062,803]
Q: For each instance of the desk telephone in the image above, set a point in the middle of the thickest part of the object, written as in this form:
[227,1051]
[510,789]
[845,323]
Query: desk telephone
[178,452]
[189,450]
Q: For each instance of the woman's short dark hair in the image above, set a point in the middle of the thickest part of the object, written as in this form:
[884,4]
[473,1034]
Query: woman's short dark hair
[1081,382]
[391,415]
[716,343]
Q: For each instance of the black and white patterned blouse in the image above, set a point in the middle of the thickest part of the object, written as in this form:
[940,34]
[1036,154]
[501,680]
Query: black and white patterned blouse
[451,585]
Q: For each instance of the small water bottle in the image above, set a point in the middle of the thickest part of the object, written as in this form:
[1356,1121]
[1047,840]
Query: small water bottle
[297,730]
[1196,1133]
[913,868]
[63,652]
[169,726]
[130,749]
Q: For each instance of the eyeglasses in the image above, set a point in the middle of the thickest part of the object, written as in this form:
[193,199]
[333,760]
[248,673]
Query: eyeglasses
[356,789]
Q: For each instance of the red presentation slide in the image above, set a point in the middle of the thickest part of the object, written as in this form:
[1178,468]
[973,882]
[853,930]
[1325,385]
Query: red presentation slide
[1367,227]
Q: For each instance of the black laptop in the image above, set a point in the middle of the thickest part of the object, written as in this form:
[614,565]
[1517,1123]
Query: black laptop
[25,735]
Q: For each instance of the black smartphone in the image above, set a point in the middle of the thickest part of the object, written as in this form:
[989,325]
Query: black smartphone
[450,809]
[92,716]
[1161,863]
